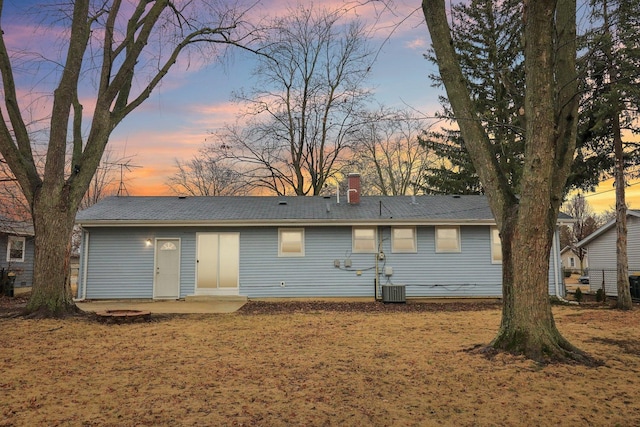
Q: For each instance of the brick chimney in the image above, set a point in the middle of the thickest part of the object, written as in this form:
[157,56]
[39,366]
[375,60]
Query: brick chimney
[353,193]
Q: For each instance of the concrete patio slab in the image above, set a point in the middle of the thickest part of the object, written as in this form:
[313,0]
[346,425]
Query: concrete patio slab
[164,306]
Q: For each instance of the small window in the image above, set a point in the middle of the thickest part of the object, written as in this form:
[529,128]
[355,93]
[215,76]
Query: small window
[447,239]
[291,242]
[168,246]
[572,262]
[15,249]
[403,239]
[364,240]
[496,246]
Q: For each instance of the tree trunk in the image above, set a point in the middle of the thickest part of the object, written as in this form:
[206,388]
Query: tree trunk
[527,325]
[526,213]
[53,220]
[623,301]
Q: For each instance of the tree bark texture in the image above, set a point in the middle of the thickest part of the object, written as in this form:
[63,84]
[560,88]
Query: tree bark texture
[526,216]
[623,301]
[55,188]
[53,221]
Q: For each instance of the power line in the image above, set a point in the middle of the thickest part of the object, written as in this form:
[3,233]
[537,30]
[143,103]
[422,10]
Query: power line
[608,191]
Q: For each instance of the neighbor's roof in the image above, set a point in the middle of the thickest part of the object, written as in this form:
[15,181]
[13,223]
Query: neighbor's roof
[257,210]
[15,227]
[600,231]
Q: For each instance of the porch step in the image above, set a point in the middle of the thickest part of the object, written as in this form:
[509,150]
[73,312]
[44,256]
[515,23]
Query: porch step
[215,298]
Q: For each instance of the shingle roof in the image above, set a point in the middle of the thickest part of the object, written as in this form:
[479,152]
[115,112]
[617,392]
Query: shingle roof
[15,227]
[302,210]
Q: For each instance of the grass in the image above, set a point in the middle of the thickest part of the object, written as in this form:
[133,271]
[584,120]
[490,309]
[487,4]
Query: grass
[312,367]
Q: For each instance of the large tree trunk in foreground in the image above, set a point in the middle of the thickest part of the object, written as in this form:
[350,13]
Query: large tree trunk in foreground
[526,212]
[112,36]
[53,221]
[527,326]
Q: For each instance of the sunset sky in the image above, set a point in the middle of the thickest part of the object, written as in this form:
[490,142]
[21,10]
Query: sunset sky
[193,101]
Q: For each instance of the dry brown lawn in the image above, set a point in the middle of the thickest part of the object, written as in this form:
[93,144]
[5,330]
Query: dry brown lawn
[312,365]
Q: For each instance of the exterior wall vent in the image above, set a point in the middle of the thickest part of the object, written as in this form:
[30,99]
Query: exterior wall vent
[394,293]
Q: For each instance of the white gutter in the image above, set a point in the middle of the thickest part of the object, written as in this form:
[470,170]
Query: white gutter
[554,251]
[85,258]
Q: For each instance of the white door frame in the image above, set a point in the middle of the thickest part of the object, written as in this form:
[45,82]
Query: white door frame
[156,268]
[224,290]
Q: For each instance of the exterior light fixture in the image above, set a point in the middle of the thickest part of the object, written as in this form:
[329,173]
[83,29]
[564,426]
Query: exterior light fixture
[148,242]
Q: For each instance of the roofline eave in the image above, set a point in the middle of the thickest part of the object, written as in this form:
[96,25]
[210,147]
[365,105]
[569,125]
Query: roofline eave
[281,223]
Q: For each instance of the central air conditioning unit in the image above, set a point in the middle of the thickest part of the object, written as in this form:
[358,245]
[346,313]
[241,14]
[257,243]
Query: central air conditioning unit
[394,293]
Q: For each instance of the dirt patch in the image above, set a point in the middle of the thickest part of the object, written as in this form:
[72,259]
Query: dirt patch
[314,364]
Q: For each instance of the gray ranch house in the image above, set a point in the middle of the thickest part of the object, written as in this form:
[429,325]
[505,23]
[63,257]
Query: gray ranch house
[601,250]
[293,247]
[17,250]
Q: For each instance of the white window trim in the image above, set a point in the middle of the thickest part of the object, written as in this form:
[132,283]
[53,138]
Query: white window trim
[290,254]
[404,250]
[450,251]
[364,251]
[493,247]
[24,248]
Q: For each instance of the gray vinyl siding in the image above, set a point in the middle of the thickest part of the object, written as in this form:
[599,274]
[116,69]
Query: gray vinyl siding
[313,275]
[24,270]
[602,257]
[120,265]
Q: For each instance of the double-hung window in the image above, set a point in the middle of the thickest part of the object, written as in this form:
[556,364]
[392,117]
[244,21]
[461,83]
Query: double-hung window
[403,239]
[496,246]
[290,242]
[15,249]
[364,239]
[447,239]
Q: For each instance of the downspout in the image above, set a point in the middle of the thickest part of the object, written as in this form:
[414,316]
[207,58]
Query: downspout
[375,281]
[556,281]
[85,258]
[377,260]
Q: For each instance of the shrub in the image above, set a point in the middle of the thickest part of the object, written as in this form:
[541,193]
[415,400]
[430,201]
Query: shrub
[567,273]
[578,295]
[600,295]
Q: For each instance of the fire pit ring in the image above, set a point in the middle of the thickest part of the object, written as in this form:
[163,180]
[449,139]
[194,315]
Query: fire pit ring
[123,316]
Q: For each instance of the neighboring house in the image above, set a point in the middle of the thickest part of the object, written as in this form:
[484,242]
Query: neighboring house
[601,250]
[571,261]
[288,247]
[17,250]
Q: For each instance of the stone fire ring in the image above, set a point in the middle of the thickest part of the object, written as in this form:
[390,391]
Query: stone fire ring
[122,316]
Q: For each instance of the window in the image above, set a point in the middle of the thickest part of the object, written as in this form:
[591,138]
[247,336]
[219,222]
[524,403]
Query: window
[572,262]
[403,239]
[447,239]
[496,246]
[364,240]
[168,246]
[290,242]
[15,249]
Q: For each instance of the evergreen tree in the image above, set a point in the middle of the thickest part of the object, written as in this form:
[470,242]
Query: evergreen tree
[610,113]
[487,39]
[453,172]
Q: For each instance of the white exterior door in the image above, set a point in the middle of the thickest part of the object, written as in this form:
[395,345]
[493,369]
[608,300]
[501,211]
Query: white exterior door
[167,269]
[218,263]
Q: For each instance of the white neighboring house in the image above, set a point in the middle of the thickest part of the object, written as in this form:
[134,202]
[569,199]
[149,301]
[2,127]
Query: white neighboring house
[601,251]
[571,261]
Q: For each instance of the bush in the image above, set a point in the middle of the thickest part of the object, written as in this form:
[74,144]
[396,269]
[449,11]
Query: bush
[567,273]
[600,296]
[578,295]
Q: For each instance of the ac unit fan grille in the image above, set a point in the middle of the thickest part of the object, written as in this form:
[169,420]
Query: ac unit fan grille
[393,293]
